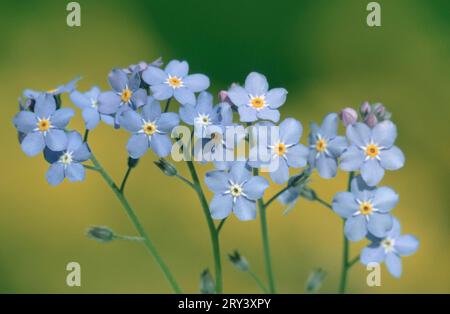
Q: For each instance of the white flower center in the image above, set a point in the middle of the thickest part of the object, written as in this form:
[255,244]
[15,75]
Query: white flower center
[174,82]
[388,245]
[94,103]
[236,190]
[203,119]
[149,128]
[66,158]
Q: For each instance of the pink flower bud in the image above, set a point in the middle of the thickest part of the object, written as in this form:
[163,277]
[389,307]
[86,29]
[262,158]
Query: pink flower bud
[348,116]
[371,120]
[365,109]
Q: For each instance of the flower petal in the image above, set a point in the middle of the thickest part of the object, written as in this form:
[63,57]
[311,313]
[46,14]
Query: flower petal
[91,118]
[154,76]
[108,102]
[244,209]
[184,95]
[385,199]
[204,103]
[217,181]
[329,125]
[359,134]
[268,114]
[167,122]
[82,153]
[25,121]
[238,95]
[131,121]
[379,224]
[196,82]
[247,114]
[177,68]
[384,133]
[344,204]
[239,172]
[392,158]
[152,110]
[297,156]
[161,144]
[56,139]
[256,84]
[134,81]
[337,146]
[55,174]
[161,91]
[394,264]
[372,254]
[406,245]
[372,172]
[280,175]
[61,117]
[118,80]
[255,187]
[33,143]
[139,98]
[188,113]
[276,97]
[355,228]
[80,100]
[290,131]
[45,106]
[75,172]
[137,145]
[221,206]
[352,159]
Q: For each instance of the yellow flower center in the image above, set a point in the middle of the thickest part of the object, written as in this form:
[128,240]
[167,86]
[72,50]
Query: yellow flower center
[149,128]
[372,150]
[43,125]
[258,102]
[174,81]
[321,145]
[280,149]
[365,208]
[126,95]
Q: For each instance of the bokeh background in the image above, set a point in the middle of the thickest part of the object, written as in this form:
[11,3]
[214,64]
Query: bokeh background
[321,51]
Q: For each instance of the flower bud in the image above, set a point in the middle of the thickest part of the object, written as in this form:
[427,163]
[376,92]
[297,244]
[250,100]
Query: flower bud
[223,96]
[315,280]
[166,167]
[238,261]
[371,120]
[132,162]
[379,110]
[308,193]
[207,285]
[100,234]
[348,116]
[365,109]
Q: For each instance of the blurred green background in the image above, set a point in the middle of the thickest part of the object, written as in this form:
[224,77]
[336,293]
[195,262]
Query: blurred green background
[321,51]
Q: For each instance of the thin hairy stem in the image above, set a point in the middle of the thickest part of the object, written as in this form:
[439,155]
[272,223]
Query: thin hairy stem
[166,108]
[345,251]
[125,179]
[258,281]
[273,198]
[324,203]
[220,226]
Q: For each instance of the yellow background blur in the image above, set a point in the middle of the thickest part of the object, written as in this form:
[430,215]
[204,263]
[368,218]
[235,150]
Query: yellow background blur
[321,51]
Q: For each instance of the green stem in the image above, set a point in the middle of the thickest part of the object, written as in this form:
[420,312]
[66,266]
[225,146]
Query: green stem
[321,201]
[258,281]
[273,198]
[265,240]
[353,261]
[219,227]
[212,228]
[167,104]
[125,179]
[345,251]
[86,135]
[134,219]
[128,238]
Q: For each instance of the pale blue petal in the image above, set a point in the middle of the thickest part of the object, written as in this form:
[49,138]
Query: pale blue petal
[256,84]
[152,110]
[385,199]
[33,143]
[161,144]
[75,172]
[25,121]
[392,158]
[276,97]
[406,245]
[240,172]
[56,139]
[327,166]
[177,68]
[290,131]
[268,114]
[196,82]
[360,188]
[396,228]
[51,156]
[139,98]
[184,95]
[167,122]
[247,114]
[281,174]
[372,172]
[134,81]
[205,103]
[238,95]
[359,134]
[109,120]
[154,76]
[255,187]
[137,145]
[91,118]
[74,141]
[379,224]
[337,146]
[297,156]
[244,209]
[344,204]
[188,113]
[394,264]
[372,254]
[45,106]
[161,91]
[55,174]
[80,100]
[329,126]
[82,153]
[217,181]
[384,134]
[355,228]
[221,206]
[352,159]
[61,117]
[118,80]
[131,121]
[108,102]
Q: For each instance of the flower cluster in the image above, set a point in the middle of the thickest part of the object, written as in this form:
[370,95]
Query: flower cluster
[133,104]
